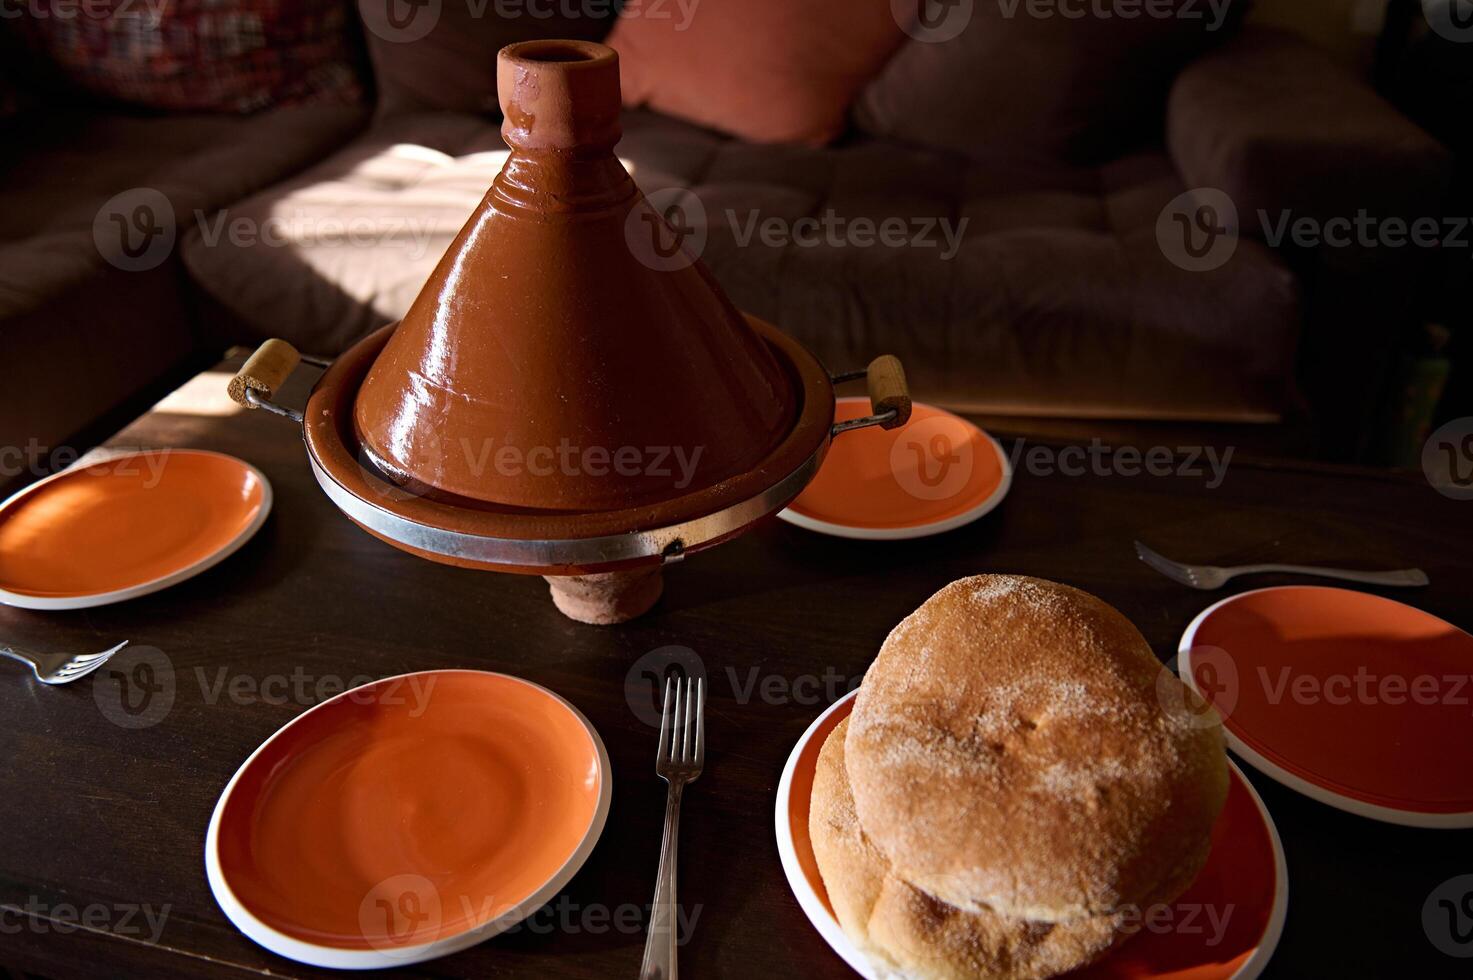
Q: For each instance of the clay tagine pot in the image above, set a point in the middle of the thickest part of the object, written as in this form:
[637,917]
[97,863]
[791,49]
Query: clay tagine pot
[555,401]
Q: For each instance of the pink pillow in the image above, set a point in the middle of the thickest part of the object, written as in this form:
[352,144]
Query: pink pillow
[769,71]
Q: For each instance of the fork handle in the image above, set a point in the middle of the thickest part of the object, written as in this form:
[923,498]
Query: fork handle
[15,653]
[659,947]
[1402,577]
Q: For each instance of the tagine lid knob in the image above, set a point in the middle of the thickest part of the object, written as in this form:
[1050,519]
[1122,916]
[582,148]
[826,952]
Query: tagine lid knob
[559,95]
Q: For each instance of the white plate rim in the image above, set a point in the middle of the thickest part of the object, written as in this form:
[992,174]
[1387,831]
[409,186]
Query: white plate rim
[919,530]
[832,934]
[1373,811]
[22,601]
[315,954]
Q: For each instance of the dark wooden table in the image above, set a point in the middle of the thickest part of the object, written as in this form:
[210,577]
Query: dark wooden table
[108,821]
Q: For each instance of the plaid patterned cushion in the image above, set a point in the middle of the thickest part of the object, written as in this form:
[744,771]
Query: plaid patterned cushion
[200,55]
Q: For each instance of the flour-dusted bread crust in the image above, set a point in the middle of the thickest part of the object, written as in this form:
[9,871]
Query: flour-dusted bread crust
[1009,750]
[907,933]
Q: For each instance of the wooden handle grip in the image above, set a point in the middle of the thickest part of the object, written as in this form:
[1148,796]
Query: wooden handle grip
[264,371]
[888,390]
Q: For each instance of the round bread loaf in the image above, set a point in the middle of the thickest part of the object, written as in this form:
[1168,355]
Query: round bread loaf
[1008,751]
[906,932]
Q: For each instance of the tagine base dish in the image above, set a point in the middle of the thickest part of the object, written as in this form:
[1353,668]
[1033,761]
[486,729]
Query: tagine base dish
[476,534]
[607,598]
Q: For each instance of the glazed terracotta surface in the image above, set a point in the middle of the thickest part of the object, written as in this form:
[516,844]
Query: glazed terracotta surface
[125,522]
[332,443]
[547,340]
[462,789]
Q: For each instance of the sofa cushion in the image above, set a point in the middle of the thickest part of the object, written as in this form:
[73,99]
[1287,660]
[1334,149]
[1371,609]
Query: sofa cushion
[201,55]
[96,316]
[766,70]
[1270,120]
[197,162]
[90,336]
[1041,76]
[442,55]
[1004,287]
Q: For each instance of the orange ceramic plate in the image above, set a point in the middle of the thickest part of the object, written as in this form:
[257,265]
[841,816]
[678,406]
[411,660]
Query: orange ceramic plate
[126,527]
[933,474]
[1356,700]
[1224,927]
[408,818]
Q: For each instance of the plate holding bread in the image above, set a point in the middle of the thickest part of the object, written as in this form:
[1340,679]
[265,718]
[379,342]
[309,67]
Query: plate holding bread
[1010,798]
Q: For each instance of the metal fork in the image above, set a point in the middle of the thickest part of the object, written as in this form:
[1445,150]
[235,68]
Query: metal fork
[1208,577]
[679,760]
[59,668]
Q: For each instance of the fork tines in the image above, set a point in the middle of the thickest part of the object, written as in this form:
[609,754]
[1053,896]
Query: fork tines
[1172,570]
[683,725]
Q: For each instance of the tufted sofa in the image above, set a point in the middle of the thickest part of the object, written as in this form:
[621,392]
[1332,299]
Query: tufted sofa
[1057,298]
[1046,289]
[80,334]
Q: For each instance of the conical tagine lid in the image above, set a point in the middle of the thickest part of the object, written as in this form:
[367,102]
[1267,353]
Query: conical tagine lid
[559,358]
